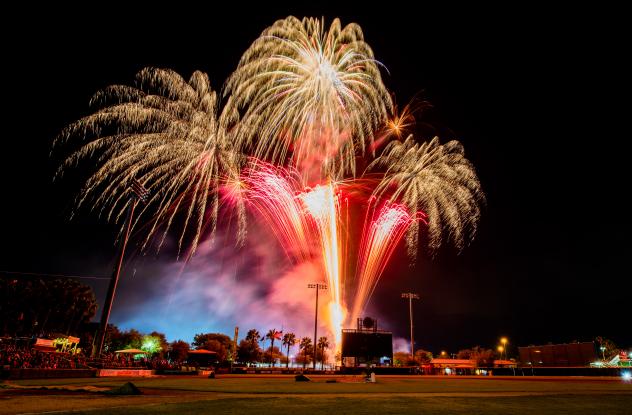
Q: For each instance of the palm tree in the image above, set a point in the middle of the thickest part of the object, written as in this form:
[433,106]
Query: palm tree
[323,344]
[253,336]
[271,335]
[305,345]
[289,340]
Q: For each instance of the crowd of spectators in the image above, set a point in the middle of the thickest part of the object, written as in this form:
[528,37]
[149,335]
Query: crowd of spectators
[14,357]
[26,357]
[116,361]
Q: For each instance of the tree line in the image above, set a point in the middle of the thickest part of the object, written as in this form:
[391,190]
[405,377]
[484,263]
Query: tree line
[34,306]
[249,351]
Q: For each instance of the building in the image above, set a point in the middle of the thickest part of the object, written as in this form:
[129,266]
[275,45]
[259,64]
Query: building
[442,366]
[558,355]
[202,358]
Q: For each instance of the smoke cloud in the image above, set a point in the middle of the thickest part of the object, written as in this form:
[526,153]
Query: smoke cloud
[220,288]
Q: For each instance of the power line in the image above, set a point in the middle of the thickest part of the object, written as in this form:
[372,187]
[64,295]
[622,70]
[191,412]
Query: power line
[40,274]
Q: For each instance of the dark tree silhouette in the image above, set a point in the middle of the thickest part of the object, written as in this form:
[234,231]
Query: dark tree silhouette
[289,340]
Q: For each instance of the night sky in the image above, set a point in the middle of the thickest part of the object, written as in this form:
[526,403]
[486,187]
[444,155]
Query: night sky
[532,96]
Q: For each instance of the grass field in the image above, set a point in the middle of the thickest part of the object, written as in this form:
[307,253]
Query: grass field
[276,394]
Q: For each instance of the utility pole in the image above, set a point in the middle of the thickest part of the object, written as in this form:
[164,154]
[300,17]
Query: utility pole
[139,193]
[410,297]
[318,287]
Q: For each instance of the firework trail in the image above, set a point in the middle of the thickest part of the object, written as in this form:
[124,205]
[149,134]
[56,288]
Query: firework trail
[436,179]
[168,134]
[274,192]
[323,206]
[301,220]
[314,91]
[380,236]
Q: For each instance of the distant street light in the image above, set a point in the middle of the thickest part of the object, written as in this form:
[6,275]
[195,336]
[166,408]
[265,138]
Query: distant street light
[504,342]
[410,297]
[139,193]
[318,287]
[603,354]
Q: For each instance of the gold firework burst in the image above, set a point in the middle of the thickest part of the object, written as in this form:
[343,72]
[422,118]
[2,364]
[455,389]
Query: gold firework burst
[436,179]
[168,134]
[314,92]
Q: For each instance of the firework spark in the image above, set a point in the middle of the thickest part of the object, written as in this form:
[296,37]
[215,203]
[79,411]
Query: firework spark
[273,191]
[301,220]
[314,91]
[401,121]
[380,236]
[323,206]
[436,179]
[167,134]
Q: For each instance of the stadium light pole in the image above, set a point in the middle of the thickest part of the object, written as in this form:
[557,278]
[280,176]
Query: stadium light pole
[318,287]
[139,193]
[411,297]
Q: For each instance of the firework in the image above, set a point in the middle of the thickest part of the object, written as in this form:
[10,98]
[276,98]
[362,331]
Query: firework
[323,206]
[314,91]
[274,192]
[403,120]
[167,134]
[303,103]
[380,236]
[301,220]
[436,179]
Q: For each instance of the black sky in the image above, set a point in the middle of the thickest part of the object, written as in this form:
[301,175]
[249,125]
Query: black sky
[533,94]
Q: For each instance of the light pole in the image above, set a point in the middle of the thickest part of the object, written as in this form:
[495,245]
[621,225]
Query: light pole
[501,349]
[139,193]
[318,287]
[410,297]
[504,342]
[603,352]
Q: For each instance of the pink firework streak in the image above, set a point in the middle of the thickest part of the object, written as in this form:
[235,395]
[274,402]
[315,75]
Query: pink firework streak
[380,236]
[302,221]
[305,220]
[273,192]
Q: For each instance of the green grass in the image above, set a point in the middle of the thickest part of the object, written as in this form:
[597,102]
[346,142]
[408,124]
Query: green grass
[540,405]
[287,385]
[391,395]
